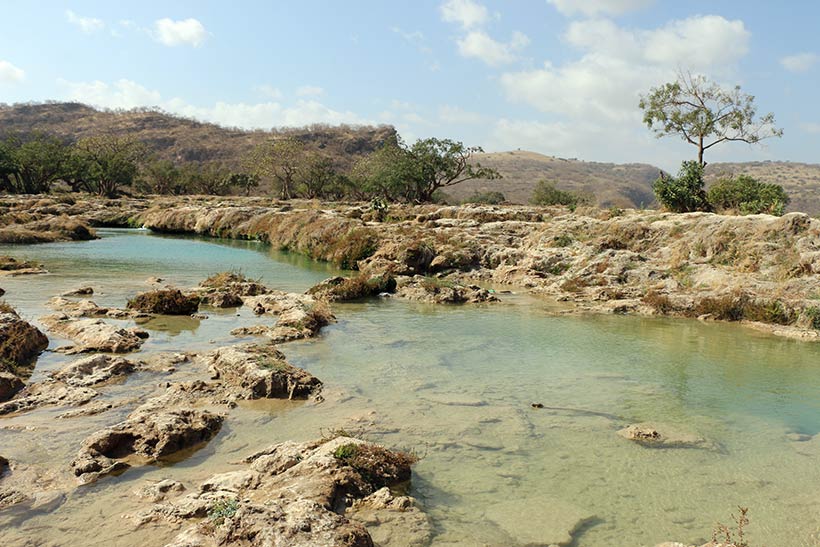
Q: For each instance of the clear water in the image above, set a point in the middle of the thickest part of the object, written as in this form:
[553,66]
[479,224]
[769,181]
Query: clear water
[455,385]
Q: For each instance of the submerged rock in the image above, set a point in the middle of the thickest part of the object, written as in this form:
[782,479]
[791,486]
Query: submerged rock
[254,372]
[298,316]
[92,334]
[148,434]
[82,291]
[87,308]
[165,302]
[663,436]
[49,393]
[538,521]
[393,520]
[11,266]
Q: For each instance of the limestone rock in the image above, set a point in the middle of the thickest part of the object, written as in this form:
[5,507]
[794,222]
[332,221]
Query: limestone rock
[92,334]
[93,370]
[20,342]
[9,385]
[663,436]
[254,372]
[48,393]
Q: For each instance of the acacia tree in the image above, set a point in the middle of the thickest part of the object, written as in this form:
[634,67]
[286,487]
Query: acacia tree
[110,162]
[440,163]
[704,114]
[31,163]
[281,160]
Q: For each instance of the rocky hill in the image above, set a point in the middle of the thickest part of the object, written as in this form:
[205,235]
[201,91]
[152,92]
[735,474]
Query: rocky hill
[618,185]
[181,139]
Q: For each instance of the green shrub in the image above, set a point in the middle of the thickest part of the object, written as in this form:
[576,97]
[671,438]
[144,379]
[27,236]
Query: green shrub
[222,509]
[486,198]
[546,193]
[748,196]
[684,193]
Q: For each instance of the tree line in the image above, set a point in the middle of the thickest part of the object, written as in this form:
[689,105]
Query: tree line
[110,165]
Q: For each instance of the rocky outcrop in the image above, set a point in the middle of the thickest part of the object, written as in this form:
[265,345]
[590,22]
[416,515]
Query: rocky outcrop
[343,289]
[87,308]
[433,291]
[292,494]
[10,384]
[20,342]
[254,372]
[48,393]
[10,266]
[165,302]
[93,334]
[227,289]
[147,435]
[298,316]
[94,370]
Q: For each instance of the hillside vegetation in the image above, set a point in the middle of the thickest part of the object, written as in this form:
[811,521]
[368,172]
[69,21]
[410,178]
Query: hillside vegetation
[801,181]
[613,185]
[183,140]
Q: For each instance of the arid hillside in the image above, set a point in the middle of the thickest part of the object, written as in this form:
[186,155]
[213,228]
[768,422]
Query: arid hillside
[800,180]
[628,185]
[183,140]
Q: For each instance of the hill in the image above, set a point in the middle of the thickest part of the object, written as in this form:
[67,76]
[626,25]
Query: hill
[181,139]
[800,180]
[618,185]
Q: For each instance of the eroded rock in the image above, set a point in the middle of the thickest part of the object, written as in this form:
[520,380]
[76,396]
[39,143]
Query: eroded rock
[20,342]
[298,316]
[290,494]
[87,308]
[253,372]
[93,370]
[48,393]
[342,289]
[165,302]
[147,435]
[441,292]
[92,334]
[663,436]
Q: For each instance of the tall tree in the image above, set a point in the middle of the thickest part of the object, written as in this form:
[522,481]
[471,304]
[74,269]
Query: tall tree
[280,160]
[33,162]
[111,162]
[162,177]
[441,163]
[704,114]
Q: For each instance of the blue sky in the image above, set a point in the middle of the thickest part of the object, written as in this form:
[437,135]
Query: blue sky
[560,77]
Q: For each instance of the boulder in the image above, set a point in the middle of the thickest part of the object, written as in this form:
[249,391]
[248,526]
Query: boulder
[9,385]
[342,289]
[254,372]
[92,334]
[20,342]
[147,434]
[165,302]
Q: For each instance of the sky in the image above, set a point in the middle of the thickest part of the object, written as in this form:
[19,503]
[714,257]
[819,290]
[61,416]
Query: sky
[559,77]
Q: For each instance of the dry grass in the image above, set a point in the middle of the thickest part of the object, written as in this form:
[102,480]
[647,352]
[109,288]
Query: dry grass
[377,465]
[224,280]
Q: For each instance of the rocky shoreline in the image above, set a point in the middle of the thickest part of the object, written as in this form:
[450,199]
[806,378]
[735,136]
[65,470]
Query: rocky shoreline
[760,270]
[339,489]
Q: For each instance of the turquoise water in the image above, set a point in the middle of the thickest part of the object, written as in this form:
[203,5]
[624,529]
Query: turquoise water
[455,385]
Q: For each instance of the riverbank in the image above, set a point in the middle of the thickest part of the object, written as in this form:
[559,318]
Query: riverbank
[759,269]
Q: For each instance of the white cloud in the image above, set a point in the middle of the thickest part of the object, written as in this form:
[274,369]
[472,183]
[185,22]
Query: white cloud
[802,62]
[618,65]
[591,8]
[467,13]
[10,74]
[480,45]
[698,42]
[128,94]
[183,32]
[310,91]
[269,91]
[811,127]
[85,24]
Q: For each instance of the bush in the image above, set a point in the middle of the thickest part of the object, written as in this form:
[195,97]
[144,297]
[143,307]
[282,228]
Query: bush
[486,198]
[377,465]
[546,193]
[748,196]
[684,193]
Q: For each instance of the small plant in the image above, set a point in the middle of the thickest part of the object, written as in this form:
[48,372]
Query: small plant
[376,464]
[486,198]
[563,240]
[222,509]
[659,302]
[546,193]
[723,535]
[346,452]
[813,315]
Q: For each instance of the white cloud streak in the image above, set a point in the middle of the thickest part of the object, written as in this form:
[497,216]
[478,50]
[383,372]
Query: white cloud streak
[479,45]
[172,33]
[86,24]
[467,13]
[591,8]
[801,62]
[10,74]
